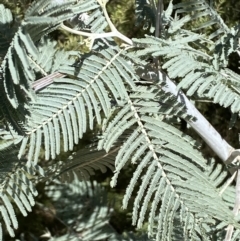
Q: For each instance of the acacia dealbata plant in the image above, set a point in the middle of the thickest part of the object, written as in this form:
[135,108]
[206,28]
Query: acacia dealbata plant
[131,98]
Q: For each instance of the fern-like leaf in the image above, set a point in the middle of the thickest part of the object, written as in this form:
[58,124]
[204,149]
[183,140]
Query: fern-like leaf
[84,163]
[203,13]
[21,59]
[170,171]
[16,186]
[83,207]
[6,30]
[70,105]
[195,68]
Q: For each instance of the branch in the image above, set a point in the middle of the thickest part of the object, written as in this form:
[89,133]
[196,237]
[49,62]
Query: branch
[207,132]
[213,139]
[92,36]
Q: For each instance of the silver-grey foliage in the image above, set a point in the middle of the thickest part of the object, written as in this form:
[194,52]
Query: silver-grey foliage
[122,89]
[84,209]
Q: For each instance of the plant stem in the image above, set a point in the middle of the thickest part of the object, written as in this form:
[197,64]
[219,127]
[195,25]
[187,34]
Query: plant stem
[114,32]
[199,123]
[230,227]
[158,28]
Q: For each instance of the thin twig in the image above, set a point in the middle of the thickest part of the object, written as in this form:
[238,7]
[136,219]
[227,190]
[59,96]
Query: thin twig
[45,81]
[229,181]
[158,29]
[230,227]
[92,36]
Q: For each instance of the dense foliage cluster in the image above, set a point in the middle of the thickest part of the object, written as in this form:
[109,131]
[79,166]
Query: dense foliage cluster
[79,96]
